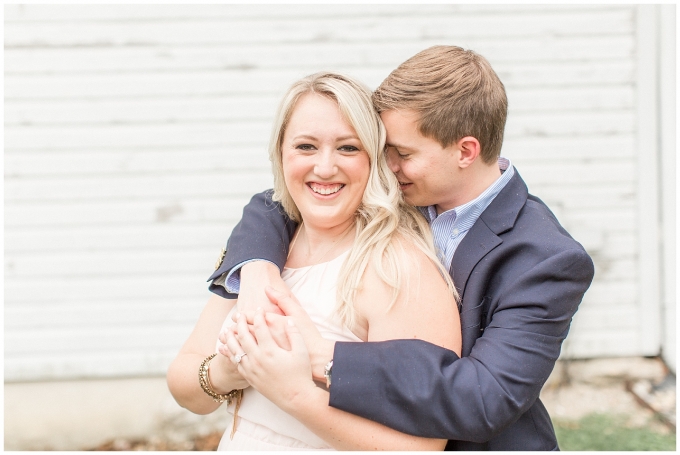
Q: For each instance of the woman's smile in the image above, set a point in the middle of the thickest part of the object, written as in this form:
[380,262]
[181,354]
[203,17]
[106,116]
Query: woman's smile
[325,189]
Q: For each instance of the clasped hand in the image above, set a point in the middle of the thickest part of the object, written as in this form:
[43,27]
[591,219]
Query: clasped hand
[279,370]
[277,361]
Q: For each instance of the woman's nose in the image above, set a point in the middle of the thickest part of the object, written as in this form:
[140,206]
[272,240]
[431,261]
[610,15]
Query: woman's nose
[325,166]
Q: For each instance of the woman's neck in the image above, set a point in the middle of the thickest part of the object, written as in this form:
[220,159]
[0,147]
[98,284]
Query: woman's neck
[316,244]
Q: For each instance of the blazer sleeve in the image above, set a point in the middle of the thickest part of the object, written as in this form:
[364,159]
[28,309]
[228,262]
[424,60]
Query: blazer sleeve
[264,232]
[425,390]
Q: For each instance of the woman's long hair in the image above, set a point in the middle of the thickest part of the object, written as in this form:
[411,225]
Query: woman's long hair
[383,216]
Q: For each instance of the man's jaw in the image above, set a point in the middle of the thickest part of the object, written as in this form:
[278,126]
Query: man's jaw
[407,191]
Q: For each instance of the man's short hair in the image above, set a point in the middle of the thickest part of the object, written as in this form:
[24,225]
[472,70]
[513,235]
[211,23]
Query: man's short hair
[455,92]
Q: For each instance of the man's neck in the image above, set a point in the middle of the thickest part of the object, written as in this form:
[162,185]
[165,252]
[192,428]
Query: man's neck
[474,180]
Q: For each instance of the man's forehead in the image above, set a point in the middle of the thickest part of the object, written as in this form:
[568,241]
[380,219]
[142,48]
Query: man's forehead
[401,127]
[409,115]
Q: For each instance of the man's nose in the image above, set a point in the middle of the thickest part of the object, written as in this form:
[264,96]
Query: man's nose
[325,166]
[392,160]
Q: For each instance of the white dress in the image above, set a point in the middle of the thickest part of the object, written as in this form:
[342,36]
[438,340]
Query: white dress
[261,424]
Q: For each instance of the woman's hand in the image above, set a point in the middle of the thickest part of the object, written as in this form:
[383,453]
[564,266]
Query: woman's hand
[320,349]
[223,373]
[283,376]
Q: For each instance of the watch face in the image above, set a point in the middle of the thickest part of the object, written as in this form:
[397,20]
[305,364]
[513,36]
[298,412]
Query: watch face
[327,373]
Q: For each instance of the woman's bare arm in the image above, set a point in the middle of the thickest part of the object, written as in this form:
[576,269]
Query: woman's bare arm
[182,374]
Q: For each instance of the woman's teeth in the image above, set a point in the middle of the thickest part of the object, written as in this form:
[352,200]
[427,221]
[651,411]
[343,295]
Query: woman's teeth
[326,189]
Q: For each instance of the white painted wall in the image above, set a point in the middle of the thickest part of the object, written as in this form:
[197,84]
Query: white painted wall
[134,135]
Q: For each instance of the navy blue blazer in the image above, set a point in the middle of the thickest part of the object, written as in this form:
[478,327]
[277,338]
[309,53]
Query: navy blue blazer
[521,278]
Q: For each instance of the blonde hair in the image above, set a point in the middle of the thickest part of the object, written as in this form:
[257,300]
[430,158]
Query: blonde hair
[456,94]
[382,216]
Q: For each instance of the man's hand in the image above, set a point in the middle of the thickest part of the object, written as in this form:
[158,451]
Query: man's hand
[254,277]
[275,322]
[320,349]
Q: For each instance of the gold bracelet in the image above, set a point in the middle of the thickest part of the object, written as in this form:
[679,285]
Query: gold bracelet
[204,380]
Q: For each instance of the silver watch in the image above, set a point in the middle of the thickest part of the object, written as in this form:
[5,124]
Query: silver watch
[327,373]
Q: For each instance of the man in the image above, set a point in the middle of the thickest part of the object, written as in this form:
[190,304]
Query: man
[520,275]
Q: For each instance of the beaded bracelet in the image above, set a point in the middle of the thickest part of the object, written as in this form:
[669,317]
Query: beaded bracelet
[204,380]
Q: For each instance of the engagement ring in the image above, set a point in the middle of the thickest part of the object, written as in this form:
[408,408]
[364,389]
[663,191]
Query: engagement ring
[238,357]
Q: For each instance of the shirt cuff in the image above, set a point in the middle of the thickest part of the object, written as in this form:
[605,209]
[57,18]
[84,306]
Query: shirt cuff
[232,280]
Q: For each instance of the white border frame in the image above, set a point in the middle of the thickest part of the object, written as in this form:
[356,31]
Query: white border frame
[668,172]
[647,46]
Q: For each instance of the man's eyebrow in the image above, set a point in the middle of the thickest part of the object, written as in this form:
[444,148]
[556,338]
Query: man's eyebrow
[400,147]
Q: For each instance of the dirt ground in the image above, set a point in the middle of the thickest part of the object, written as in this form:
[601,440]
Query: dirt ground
[642,389]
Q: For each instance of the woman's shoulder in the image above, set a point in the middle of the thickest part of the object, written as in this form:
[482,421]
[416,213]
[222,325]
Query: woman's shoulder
[421,306]
[417,272]
[410,250]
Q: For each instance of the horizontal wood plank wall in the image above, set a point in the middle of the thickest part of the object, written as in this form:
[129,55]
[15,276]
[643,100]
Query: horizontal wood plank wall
[134,135]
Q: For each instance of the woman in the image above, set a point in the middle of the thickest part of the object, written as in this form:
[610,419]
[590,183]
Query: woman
[361,263]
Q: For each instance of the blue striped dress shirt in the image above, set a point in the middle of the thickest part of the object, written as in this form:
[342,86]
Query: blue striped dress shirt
[449,228]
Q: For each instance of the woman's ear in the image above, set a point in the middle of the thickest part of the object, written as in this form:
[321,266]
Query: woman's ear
[469,151]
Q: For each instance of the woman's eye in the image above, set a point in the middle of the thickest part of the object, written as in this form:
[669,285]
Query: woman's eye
[349,148]
[305,147]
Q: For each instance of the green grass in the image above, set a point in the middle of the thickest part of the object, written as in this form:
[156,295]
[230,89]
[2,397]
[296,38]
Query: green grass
[609,432]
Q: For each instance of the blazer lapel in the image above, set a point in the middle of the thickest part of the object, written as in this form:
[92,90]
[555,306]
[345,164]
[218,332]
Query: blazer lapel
[483,236]
[476,244]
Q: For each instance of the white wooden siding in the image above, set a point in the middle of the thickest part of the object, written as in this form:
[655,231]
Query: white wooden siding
[134,135]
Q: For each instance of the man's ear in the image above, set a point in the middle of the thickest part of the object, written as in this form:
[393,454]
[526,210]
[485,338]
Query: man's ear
[469,151]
